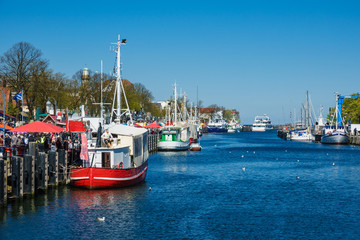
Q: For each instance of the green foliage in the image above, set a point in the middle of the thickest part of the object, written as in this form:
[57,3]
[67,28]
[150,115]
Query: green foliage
[12,110]
[23,68]
[351,110]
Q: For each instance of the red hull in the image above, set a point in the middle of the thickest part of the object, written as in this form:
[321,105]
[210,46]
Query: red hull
[195,149]
[95,178]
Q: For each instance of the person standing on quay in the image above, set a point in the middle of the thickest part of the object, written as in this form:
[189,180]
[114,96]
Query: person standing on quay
[7,140]
[13,140]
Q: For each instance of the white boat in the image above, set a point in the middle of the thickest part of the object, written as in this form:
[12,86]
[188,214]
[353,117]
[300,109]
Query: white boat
[301,133]
[337,134]
[218,124]
[174,137]
[234,126]
[262,124]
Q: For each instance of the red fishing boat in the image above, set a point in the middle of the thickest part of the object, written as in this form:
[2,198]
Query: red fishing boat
[120,164]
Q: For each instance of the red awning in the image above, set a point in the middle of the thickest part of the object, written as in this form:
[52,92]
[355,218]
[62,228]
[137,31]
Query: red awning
[137,125]
[75,126]
[38,126]
[153,125]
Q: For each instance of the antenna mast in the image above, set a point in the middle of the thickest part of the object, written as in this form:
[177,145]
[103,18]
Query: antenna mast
[119,86]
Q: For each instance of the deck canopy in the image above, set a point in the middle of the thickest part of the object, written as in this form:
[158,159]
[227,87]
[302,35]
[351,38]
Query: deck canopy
[125,130]
[38,126]
[153,125]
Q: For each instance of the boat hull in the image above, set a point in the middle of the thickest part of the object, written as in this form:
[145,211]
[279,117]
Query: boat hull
[301,135]
[98,178]
[216,130]
[173,146]
[335,138]
[195,147]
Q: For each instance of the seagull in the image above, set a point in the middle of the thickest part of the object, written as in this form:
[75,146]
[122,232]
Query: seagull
[101,219]
[242,156]
[333,164]
[243,169]
[149,188]
[297,177]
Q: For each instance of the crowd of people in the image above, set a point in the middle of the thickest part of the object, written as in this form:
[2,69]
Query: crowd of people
[45,141]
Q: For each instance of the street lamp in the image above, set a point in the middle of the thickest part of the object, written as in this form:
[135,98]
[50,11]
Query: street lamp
[48,104]
[3,118]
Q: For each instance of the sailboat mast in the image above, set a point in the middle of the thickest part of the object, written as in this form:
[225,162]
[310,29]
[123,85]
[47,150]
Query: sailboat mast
[307,110]
[175,117]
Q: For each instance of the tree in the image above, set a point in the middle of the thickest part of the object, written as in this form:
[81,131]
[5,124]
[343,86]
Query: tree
[21,65]
[351,110]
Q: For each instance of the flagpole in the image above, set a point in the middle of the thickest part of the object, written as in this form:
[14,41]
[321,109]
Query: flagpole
[22,106]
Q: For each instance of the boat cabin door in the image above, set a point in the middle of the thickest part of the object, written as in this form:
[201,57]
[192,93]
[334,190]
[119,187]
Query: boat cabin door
[105,160]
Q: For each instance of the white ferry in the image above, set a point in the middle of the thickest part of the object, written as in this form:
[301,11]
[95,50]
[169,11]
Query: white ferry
[262,124]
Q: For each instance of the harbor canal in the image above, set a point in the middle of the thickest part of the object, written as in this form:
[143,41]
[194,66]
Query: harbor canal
[246,185]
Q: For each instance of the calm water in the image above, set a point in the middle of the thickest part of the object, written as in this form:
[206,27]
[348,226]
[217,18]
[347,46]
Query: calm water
[241,186]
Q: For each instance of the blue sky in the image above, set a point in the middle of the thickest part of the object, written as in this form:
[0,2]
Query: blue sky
[256,56]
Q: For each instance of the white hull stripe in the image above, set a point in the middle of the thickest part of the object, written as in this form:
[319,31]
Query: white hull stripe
[122,179]
[79,178]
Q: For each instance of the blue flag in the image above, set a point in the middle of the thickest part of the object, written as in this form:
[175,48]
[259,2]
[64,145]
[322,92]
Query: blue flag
[18,96]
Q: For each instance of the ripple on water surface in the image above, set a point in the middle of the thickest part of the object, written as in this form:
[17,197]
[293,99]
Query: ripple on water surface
[246,185]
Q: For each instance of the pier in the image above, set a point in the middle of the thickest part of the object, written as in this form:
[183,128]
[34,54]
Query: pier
[354,140]
[28,174]
[152,142]
[24,175]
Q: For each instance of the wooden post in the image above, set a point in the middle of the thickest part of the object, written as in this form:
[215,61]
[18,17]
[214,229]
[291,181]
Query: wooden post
[41,171]
[3,183]
[29,174]
[32,148]
[17,177]
[62,165]
[53,168]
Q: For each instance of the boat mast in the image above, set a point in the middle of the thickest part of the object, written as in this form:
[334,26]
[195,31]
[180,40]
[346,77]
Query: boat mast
[336,112]
[101,95]
[307,110]
[184,108]
[119,86]
[175,117]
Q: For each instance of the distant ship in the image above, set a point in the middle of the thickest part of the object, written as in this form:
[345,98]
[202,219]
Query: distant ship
[262,124]
[218,124]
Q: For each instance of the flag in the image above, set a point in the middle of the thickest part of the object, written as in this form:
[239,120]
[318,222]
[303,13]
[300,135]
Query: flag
[67,121]
[84,149]
[18,96]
